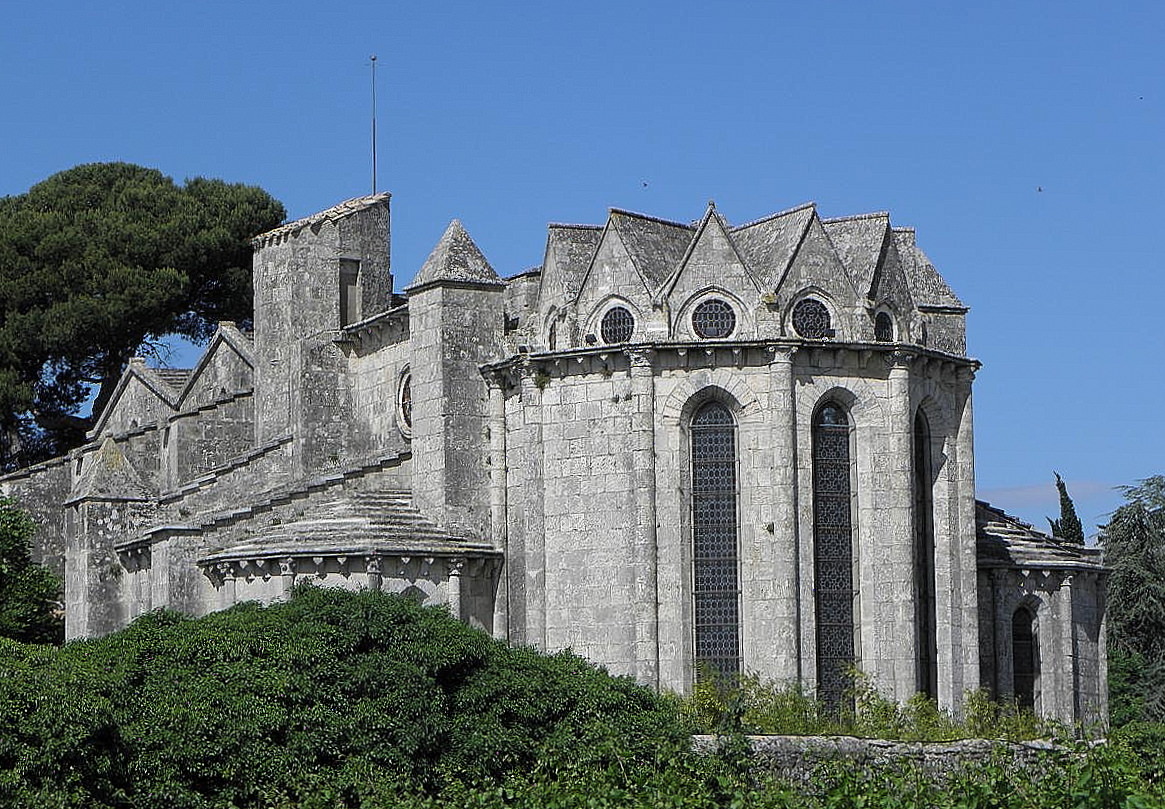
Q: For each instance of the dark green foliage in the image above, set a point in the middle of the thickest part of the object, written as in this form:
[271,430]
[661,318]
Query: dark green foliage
[353,693]
[95,263]
[1068,527]
[335,700]
[1134,547]
[29,606]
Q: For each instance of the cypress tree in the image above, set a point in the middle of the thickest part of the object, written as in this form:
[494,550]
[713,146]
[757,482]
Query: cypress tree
[1068,527]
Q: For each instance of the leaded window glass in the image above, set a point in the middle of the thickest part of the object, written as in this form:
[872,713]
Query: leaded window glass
[1024,659]
[714,318]
[833,554]
[925,608]
[715,581]
[883,328]
[404,404]
[811,319]
[618,325]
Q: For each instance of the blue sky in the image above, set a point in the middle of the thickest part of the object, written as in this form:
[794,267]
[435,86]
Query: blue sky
[1023,140]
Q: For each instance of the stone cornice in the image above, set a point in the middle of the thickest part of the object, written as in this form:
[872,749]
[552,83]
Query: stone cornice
[517,365]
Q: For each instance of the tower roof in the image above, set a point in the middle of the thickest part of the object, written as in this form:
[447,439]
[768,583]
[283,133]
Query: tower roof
[345,208]
[455,259]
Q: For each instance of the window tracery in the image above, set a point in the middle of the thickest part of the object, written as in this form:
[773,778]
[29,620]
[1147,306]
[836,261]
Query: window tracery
[833,554]
[618,325]
[715,580]
[713,319]
[811,319]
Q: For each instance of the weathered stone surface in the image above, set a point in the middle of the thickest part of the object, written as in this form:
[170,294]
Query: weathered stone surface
[522,450]
[796,757]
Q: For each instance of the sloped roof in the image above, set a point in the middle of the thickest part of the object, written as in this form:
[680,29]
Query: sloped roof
[926,285]
[108,475]
[574,246]
[656,246]
[345,208]
[176,378]
[455,258]
[768,244]
[353,523]
[1006,541]
[859,241]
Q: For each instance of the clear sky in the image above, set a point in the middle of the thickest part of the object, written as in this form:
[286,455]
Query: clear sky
[1023,140]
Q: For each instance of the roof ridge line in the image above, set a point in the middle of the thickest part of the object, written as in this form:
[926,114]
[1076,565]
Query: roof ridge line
[870,215]
[573,226]
[770,217]
[650,218]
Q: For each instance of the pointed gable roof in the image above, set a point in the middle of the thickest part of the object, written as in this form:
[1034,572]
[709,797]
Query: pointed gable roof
[713,218]
[859,241]
[108,475]
[455,259]
[572,248]
[656,246]
[926,285]
[768,245]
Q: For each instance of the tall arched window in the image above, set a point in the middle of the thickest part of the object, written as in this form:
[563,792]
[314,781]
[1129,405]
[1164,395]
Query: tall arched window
[715,583]
[925,610]
[1024,657]
[833,555]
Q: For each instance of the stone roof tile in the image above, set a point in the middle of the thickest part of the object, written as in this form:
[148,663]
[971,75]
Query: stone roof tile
[655,245]
[356,521]
[926,285]
[859,241]
[345,208]
[1006,541]
[768,244]
[455,258]
[574,246]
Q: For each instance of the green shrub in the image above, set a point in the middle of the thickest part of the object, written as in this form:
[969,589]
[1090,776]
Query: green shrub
[358,693]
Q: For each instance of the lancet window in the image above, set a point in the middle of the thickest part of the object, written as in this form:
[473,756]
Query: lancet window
[925,609]
[715,579]
[835,591]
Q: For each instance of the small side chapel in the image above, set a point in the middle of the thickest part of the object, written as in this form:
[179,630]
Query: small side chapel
[674,447]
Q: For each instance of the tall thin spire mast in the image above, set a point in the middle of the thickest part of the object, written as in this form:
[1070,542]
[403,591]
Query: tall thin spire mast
[373,123]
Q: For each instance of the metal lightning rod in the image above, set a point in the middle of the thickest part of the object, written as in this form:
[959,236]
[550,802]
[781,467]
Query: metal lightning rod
[373,123]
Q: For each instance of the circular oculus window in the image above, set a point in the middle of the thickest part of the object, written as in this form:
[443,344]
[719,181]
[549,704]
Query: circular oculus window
[618,325]
[714,318]
[811,319]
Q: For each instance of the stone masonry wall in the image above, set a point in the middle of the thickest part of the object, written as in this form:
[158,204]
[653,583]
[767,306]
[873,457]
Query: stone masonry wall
[796,757]
[40,490]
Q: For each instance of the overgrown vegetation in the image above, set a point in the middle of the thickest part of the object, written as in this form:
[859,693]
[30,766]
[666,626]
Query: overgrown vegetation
[29,606]
[1134,548]
[338,699]
[751,705]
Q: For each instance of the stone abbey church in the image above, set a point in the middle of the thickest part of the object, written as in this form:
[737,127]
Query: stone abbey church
[674,447]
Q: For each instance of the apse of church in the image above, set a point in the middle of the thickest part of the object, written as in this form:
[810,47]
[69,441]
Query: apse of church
[680,448]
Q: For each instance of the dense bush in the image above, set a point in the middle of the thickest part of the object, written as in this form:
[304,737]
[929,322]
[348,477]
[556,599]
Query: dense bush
[335,700]
[358,693]
[29,609]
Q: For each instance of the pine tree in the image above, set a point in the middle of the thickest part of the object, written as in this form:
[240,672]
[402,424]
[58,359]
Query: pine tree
[1068,527]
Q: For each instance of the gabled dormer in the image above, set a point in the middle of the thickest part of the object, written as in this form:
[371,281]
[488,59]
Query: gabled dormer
[144,397]
[816,296]
[712,293]
[634,257]
[569,251]
[225,370]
